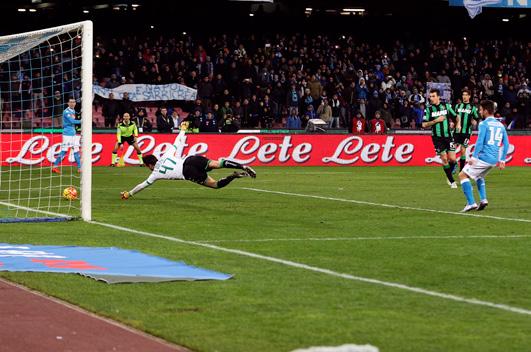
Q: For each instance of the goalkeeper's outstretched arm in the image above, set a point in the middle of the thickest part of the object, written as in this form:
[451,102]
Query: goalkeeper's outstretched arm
[174,148]
[138,188]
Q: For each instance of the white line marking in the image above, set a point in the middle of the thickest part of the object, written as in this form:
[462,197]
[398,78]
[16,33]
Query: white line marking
[35,210]
[324,271]
[377,238]
[384,205]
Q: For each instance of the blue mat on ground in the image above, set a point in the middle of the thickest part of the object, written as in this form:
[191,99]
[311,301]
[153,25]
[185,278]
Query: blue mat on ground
[111,265]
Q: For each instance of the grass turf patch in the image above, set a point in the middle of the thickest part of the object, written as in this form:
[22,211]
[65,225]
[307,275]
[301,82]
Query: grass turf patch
[271,307]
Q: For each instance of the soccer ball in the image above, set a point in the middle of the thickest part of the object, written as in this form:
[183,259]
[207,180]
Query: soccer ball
[70,193]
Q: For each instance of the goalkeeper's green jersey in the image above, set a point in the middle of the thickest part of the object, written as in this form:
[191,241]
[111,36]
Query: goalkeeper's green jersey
[440,129]
[466,112]
[126,130]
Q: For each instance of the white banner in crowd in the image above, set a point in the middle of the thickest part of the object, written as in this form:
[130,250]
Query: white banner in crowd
[149,92]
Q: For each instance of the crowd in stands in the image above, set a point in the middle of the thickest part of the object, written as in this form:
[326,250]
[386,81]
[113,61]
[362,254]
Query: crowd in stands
[249,81]
[244,81]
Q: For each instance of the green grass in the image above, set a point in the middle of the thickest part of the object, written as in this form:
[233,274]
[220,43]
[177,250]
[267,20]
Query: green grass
[273,307]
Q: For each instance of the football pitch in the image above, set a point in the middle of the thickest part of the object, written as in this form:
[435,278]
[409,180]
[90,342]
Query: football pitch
[320,257]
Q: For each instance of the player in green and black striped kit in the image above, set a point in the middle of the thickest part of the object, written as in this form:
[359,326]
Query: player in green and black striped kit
[437,116]
[126,132]
[467,117]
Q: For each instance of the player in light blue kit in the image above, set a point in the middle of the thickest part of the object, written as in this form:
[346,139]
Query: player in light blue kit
[492,135]
[70,139]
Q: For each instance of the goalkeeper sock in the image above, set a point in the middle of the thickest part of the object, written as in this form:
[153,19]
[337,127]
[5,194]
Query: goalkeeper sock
[60,158]
[139,155]
[462,162]
[114,158]
[467,190]
[448,171]
[229,164]
[78,160]
[482,190]
[225,181]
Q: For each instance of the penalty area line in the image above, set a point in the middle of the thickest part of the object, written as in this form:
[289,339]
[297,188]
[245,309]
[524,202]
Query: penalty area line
[293,264]
[383,205]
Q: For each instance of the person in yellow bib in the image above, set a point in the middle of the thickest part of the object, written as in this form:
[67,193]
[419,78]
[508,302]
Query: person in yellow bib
[126,132]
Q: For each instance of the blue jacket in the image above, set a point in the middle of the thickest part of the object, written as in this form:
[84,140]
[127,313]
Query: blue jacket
[294,122]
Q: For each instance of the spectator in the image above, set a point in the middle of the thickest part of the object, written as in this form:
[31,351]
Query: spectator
[112,82]
[374,103]
[377,124]
[229,125]
[443,78]
[362,92]
[336,110]
[238,113]
[294,121]
[254,112]
[226,110]
[25,88]
[194,120]
[397,124]
[389,83]
[37,94]
[205,90]
[488,86]
[57,110]
[415,97]
[307,99]
[216,112]
[418,115]
[292,99]
[126,105]
[324,111]
[209,123]
[359,124]
[142,122]
[164,123]
[175,120]
[246,114]
[110,111]
[266,114]
[308,115]
[316,88]
[385,112]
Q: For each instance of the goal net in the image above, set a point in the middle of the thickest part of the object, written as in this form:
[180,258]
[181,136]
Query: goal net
[40,72]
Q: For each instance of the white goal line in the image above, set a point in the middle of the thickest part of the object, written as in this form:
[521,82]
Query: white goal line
[35,210]
[384,205]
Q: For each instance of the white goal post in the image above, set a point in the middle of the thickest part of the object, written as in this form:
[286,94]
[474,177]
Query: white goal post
[40,71]
[86,121]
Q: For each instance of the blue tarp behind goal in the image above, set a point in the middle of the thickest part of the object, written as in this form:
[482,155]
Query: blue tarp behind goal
[111,265]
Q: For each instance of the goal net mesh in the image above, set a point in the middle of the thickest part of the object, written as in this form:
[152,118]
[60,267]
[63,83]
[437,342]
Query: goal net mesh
[39,72]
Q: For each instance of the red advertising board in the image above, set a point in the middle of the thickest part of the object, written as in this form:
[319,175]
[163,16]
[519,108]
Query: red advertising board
[274,150]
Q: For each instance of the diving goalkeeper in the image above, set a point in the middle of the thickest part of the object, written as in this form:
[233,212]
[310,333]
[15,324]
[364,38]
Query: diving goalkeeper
[193,168]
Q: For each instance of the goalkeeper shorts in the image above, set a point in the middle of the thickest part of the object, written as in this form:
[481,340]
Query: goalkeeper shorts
[195,169]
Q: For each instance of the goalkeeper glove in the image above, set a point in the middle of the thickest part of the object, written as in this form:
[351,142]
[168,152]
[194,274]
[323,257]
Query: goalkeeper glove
[125,195]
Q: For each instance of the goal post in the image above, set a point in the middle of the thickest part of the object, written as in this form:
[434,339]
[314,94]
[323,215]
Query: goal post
[86,121]
[40,71]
